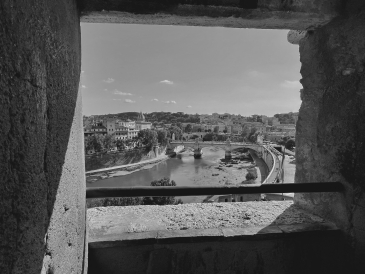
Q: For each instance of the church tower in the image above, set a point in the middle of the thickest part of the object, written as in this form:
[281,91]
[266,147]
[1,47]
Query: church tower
[140,117]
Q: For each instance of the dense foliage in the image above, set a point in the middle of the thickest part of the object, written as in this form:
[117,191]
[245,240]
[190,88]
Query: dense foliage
[147,138]
[286,118]
[162,200]
[215,137]
[99,142]
[188,128]
[250,176]
[177,131]
[156,117]
[162,137]
[102,202]
[290,144]
[172,118]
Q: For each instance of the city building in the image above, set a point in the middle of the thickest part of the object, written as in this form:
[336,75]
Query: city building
[141,124]
[93,129]
[285,127]
[127,123]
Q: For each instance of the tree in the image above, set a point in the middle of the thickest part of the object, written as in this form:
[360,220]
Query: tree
[252,136]
[179,125]
[283,140]
[102,202]
[188,128]
[148,138]
[121,144]
[245,132]
[177,131]
[221,137]
[108,141]
[225,129]
[162,200]
[94,142]
[162,137]
[216,129]
[208,137]
[290,144]
[250,176]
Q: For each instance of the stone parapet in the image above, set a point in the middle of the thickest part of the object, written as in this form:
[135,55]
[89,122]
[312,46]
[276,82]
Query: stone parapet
[210,238]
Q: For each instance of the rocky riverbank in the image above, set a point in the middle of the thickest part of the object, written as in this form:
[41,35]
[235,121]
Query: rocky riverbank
[123,170]
[226,172]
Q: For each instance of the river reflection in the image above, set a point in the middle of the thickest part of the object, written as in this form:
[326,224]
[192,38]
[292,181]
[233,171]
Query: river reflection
[183,169]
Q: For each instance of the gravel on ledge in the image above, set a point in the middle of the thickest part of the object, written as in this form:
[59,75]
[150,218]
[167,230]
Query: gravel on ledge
[134,219]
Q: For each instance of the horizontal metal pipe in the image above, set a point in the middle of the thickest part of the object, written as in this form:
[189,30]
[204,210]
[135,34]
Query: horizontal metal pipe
[158,191]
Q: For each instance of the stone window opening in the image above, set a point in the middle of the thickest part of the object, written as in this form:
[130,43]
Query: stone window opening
[41,146]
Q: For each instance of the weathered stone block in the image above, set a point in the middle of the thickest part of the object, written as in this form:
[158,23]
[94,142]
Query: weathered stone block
[42,182]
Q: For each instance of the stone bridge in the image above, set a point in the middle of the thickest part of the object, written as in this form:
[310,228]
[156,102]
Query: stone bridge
[270,156]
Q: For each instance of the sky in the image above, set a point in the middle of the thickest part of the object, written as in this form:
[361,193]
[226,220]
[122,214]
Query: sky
[189,69]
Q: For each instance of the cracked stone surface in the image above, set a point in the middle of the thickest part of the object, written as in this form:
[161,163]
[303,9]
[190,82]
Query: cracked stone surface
[130,219]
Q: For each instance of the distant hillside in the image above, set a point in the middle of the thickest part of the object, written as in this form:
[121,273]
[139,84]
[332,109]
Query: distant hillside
[158,117]
[172,118]
[181,117]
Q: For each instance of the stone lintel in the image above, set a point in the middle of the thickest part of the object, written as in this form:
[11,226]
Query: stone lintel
[211,16]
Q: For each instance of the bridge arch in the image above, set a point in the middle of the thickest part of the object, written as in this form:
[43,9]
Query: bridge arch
[268,154]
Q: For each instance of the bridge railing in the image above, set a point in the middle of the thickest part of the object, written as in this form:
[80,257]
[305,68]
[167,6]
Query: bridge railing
[270,179]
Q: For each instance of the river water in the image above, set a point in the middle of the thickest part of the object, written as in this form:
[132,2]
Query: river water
[184,170]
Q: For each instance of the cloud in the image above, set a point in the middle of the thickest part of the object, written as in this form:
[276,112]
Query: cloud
[83,86]
[254,73]
[291,84]
[109,80]
[82,71]
[167,82]
[129,101]
[169,102]
[118,92]
[155,100]
[189,106]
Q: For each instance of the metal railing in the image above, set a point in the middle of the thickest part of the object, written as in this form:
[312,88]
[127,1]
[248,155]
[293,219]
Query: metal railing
[160,191]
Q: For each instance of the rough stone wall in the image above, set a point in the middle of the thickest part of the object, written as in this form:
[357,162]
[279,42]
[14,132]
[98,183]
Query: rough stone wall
[42,184]
[318,6]
[331,125]
[195,256]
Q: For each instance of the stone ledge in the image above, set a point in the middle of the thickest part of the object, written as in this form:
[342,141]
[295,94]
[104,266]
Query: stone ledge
[191,223]
[213,17]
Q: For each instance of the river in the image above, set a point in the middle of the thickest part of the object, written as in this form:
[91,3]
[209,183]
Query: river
[185,171]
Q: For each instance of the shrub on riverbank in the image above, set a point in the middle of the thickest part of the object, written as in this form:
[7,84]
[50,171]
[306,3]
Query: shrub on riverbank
[132,201]
[162,200]
[102,202]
